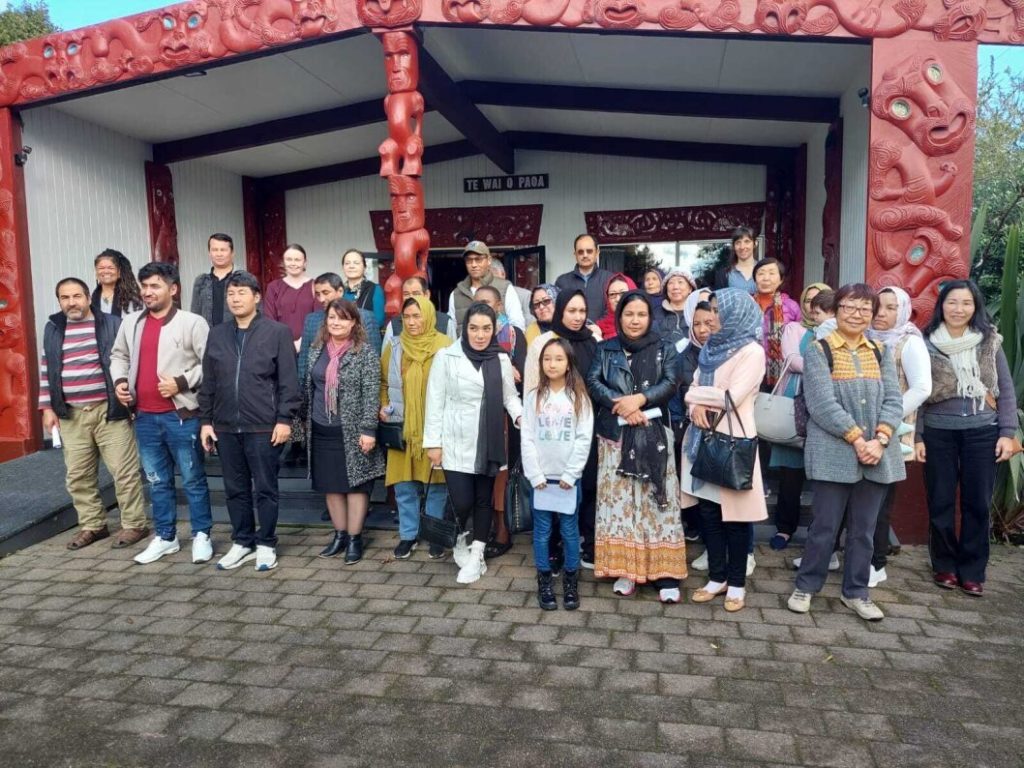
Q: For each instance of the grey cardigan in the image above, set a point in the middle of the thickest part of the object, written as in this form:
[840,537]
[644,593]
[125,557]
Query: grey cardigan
[836,407]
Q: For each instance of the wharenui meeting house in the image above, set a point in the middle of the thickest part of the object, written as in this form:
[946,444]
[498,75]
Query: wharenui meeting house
[841,131]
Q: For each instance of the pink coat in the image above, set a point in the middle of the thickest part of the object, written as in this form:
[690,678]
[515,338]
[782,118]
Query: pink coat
[742,376]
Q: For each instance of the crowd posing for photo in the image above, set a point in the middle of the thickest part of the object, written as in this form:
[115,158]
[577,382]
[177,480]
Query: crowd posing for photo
[640,416]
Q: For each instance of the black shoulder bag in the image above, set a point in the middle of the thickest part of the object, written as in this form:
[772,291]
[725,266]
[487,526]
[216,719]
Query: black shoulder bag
[722,459]
[443,531]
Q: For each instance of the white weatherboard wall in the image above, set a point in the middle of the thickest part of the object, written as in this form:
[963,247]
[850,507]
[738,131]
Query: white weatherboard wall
[853,231]
[329,218]
[207,199]
[85,190]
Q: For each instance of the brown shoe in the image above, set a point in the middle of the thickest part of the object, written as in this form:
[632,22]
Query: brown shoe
[128,536]
[84,537]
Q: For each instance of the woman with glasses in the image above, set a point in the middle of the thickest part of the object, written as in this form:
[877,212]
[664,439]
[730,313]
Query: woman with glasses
[854,406]
[542,306]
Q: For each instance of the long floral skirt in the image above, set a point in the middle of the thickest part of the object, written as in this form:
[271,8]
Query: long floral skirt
[633,538]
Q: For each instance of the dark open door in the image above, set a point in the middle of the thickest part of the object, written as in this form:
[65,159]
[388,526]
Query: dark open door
[525,267]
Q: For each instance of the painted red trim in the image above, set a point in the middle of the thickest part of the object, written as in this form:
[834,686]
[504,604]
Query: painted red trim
[163,224]
[263,214]
[660,225]
[516,225]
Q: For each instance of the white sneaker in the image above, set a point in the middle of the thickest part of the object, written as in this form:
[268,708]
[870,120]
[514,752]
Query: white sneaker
[863,608]
[876,577]
[475,566]
[202,548]
[157,548]
[669,595]
[751,564]
[799,602]
[833,562]
[266,558]
[460,553]
[236,557]
[624,587]
[701,563]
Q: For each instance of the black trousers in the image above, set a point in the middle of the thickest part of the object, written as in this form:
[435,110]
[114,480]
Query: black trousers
[472,497]
[880,557]
[787,508]
[965,459]
[726,543]
[250,465]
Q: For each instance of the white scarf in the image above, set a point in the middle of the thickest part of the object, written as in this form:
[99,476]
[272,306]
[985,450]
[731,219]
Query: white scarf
[962,355]
[903,327]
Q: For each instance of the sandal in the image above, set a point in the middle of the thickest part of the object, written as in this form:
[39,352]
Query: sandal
[495,549]
[86,537]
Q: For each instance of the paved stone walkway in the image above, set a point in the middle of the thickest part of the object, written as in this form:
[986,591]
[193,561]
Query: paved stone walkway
[105,663]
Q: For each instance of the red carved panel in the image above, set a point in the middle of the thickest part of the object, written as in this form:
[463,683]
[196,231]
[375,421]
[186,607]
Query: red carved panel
[163,225]
[832,213]
[263,215]
[988,21]
[19,426]
[659,225]
[920,164]
[164,40]
[389,14]
[454,227]
[251,222]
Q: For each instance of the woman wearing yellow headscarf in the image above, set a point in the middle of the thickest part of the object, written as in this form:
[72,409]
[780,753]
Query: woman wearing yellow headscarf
[405,367]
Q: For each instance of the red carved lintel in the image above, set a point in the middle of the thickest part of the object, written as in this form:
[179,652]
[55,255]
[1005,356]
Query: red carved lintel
[660,225]
[20,427]
[163,224]
[266,236]
[517,225]
[920,164]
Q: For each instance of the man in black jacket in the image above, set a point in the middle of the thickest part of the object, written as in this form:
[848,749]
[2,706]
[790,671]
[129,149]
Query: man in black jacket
[77,399]
[249,395]
[587,276]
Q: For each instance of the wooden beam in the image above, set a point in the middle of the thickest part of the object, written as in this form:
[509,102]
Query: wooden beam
[441,91]
[367,166]
[733,106]
[742,154]
[271,131]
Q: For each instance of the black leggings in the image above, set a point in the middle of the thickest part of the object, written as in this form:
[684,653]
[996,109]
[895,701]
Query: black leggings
[472,497]
[727,545]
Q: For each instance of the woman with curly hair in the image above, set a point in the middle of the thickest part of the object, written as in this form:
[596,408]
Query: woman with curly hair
[117,290]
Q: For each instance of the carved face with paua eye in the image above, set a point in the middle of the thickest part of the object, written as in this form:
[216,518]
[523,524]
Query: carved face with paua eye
[919,98]
[406,203]
[314,17]
[401,62]
[64,57]
[619,14]
[466,11]
[389,13]
[183,36]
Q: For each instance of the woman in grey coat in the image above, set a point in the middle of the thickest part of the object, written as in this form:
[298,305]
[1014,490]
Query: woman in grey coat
[341,399]
[855,406]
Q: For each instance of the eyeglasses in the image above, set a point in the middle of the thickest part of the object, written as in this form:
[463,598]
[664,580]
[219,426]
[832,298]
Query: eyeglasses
[475,259]
[541,303]
[850,309]
[617,294]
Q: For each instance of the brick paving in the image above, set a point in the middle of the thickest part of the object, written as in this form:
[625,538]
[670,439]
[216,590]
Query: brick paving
[105,663]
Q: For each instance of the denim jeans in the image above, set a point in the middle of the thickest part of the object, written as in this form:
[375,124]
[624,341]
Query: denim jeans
[250,463]
[408,495]
[165,442]
[568,526]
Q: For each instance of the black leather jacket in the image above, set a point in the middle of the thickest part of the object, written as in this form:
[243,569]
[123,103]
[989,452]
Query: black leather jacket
[610,377]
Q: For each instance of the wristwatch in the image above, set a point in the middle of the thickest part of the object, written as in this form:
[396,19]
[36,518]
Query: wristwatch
[882,438]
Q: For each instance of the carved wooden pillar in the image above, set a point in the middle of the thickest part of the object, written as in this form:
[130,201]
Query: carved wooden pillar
[923,102]
[20,427]
[832,213]
[263,213]
[785,209]
[163,224]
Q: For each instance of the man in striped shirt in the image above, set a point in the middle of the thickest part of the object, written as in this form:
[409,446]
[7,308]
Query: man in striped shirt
[76,396]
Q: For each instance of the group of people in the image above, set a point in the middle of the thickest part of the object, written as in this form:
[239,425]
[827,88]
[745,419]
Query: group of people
[603,395]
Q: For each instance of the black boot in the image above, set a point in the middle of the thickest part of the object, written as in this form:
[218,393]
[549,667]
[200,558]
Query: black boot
[337,545]
[546,591]
[354,552]
[570,590]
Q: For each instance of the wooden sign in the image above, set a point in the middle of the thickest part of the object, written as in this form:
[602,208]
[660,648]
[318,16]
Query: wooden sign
[505,183]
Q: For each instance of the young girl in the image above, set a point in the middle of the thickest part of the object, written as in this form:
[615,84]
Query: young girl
[558,425]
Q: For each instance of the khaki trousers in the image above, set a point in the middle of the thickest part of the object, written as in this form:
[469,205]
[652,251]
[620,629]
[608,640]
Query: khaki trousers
[87,437]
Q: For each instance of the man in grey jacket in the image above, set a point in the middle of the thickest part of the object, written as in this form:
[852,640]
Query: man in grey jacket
[157,365]
[208,290]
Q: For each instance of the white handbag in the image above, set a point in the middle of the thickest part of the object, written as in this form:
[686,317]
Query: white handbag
[774,414]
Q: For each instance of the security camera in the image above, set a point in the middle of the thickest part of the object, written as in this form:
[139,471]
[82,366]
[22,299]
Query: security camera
[20,158]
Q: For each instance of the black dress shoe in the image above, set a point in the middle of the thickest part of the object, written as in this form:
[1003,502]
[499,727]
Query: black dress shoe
[337,545]
[354,551]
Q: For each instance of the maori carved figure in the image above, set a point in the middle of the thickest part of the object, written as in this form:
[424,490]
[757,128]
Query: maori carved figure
[389,13]
[271,23]
[14,405]
[469,11]
[314,17]
[914,239]
[402,151]
[188,33]
[410,240]
[619,14]
[163,225]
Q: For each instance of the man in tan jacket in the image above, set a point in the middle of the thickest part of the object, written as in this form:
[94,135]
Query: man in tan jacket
[157,367]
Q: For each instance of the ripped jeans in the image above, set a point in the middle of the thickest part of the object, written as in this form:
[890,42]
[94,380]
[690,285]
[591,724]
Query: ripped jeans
[165,442]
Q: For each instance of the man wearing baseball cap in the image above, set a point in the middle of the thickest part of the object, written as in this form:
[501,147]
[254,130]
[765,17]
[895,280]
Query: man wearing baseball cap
[477,257]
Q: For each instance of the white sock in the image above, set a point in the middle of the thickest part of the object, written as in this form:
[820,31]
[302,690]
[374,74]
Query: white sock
[714,586]
[735,593]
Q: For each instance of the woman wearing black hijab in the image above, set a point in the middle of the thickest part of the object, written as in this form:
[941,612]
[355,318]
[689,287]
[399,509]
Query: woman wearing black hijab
[638,531]
[470,386]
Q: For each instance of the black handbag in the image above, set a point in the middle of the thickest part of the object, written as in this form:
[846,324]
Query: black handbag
[441,531]
[518,492]
[724,460]
[390,434]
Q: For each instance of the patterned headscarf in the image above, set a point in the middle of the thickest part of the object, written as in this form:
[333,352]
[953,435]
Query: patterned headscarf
[805,317]
[903,326]
[740,320]
[552,292]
